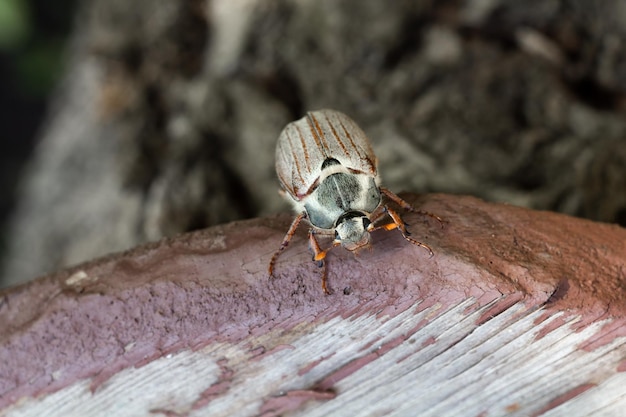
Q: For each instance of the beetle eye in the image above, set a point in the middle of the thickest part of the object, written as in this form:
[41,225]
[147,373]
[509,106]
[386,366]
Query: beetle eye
[336,235]
[366,222]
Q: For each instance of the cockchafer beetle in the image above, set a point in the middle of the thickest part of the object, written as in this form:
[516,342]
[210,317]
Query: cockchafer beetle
[328,171]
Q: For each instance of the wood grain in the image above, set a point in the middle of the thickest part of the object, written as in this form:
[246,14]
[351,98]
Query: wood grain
[518,313]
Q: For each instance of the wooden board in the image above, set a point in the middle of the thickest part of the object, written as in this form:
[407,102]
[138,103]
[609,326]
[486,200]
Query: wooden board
[518,313]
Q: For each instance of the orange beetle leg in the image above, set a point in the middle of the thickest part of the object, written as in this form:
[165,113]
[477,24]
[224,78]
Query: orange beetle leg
[325,280]
[319,255]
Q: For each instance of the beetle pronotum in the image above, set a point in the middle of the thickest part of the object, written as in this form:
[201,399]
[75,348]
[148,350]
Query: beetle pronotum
[328,171]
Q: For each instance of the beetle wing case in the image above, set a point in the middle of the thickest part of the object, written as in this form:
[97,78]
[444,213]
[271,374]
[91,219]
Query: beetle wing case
[304,146]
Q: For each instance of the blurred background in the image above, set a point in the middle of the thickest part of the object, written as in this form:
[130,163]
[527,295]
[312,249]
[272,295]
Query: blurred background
[124,122]
[33,36]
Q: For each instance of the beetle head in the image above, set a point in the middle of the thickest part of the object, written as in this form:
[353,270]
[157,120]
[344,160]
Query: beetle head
[351,230]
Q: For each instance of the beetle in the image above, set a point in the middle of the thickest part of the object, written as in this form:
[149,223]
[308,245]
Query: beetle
[328,171]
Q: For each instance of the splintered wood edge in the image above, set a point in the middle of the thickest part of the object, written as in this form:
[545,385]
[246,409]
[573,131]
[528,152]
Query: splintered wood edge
[518,312]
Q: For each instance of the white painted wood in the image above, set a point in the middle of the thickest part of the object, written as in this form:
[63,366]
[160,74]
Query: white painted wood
[449,367]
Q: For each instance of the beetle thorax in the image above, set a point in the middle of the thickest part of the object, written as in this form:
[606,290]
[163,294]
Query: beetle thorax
[338,193]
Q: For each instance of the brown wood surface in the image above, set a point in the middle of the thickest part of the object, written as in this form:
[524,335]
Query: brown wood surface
[518,312]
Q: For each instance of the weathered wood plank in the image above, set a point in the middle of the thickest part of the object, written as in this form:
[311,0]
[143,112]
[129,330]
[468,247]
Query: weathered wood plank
[518,313]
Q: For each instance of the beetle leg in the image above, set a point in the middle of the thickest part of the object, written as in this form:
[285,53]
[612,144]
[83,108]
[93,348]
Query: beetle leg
[397,220]
[379,212]
[399,224]
[376,215]
[325,279]
[319,256]
[285,242]
[387,226]
[399,201]
[318,253]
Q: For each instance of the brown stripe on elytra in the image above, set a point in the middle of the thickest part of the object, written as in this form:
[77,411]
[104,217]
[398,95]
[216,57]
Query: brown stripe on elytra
[362,155]
[287,185]
[311,189]
[343,146]
[318,135]
[305,151]
[294,157]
